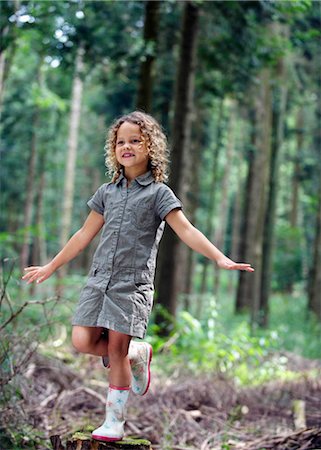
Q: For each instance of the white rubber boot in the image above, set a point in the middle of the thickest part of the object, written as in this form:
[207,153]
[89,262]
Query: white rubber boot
[113,427]
[140,355]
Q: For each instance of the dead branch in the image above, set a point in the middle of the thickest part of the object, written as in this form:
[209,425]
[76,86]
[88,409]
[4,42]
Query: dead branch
[22,307]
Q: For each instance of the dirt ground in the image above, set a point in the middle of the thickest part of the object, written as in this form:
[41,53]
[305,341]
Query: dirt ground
[204,412]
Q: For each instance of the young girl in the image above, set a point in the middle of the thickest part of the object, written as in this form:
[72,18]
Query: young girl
[116,302]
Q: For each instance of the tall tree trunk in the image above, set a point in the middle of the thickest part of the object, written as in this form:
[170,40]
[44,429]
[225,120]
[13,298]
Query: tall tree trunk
[250,284]
[168,285]
[197,143]
[314,286]
[30,191]
[220,232]
[74,122]
[278,120]
[146,77]
[297,167]
[39,255]
[39,251]
[7,54]
[242,303]
[209,226]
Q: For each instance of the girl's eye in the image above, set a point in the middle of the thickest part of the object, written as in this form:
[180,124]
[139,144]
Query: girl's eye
[120,143]
[136,141]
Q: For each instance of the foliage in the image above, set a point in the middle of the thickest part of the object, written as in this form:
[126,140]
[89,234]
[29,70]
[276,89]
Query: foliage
[288,258]
[204,346]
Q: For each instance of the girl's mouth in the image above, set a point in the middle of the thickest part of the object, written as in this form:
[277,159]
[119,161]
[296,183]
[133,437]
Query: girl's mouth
[127,155]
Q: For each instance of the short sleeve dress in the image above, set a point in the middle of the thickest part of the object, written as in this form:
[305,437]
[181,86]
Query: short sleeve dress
[119,291]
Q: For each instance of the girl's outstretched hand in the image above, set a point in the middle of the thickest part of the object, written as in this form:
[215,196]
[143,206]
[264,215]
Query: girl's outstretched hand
[228,264]
[38,273]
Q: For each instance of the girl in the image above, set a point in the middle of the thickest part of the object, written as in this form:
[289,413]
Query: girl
[116,302]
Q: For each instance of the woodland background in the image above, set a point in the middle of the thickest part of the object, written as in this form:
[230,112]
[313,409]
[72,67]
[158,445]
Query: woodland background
[236,86]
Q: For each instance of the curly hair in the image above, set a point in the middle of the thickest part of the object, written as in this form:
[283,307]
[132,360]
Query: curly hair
[155,140]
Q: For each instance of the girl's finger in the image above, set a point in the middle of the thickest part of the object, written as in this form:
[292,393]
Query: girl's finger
[33,278]
[29,269]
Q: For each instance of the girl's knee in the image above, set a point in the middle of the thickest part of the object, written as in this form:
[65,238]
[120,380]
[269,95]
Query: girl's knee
[83,338]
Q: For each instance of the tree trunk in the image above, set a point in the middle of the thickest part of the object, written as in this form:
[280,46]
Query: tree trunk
[25,251]
[146,77]
[278,119]
[39,251]
[7,54]
[250,284]
[220,232]
[297,168]
[169,285]
[209,226]
[314,287]
[197,143]
[72,152]
[242,303]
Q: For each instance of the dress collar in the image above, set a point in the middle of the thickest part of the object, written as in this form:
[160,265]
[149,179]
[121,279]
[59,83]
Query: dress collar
[145,179]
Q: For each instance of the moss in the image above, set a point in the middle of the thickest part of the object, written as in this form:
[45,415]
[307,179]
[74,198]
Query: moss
[82,435]
[85,435]
[133,441]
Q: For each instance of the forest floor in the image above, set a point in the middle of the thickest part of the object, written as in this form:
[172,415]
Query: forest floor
[203,412]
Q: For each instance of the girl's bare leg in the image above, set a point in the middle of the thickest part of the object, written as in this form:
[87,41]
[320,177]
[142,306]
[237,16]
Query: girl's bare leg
[120,371]
[101,342]
[92,340]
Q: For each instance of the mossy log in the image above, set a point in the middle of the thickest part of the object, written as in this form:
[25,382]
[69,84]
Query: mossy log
[83,441]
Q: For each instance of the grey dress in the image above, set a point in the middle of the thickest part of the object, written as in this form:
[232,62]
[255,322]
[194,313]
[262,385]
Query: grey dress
[119,291]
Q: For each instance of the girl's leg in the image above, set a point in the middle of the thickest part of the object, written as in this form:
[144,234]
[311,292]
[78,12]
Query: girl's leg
[100,341]
[120,371]
[92,340]
[119,385]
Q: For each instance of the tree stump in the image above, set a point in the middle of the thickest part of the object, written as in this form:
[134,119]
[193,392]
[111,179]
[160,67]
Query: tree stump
[83,441]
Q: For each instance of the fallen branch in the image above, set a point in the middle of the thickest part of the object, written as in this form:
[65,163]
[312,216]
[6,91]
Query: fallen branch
[307,439]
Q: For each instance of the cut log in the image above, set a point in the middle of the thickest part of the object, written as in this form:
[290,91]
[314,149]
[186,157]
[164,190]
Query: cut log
[83,441]
[299,414]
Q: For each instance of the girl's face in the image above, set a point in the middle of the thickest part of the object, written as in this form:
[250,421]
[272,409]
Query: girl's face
[130,150]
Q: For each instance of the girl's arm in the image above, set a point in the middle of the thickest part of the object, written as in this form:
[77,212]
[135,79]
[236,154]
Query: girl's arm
[74,246]
[198,242]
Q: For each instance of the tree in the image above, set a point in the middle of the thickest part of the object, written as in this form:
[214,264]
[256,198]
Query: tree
[147,75]
[74,122]
[170,267]
[248,294]
[314,280]
[278,123]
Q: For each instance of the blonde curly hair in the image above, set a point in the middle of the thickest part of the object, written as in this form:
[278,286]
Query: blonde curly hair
[155,140]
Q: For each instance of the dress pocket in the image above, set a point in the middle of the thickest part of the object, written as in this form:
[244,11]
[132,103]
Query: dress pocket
[142,215]
[97,278]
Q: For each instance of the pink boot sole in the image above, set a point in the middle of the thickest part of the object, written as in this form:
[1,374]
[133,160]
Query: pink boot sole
[105,438]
